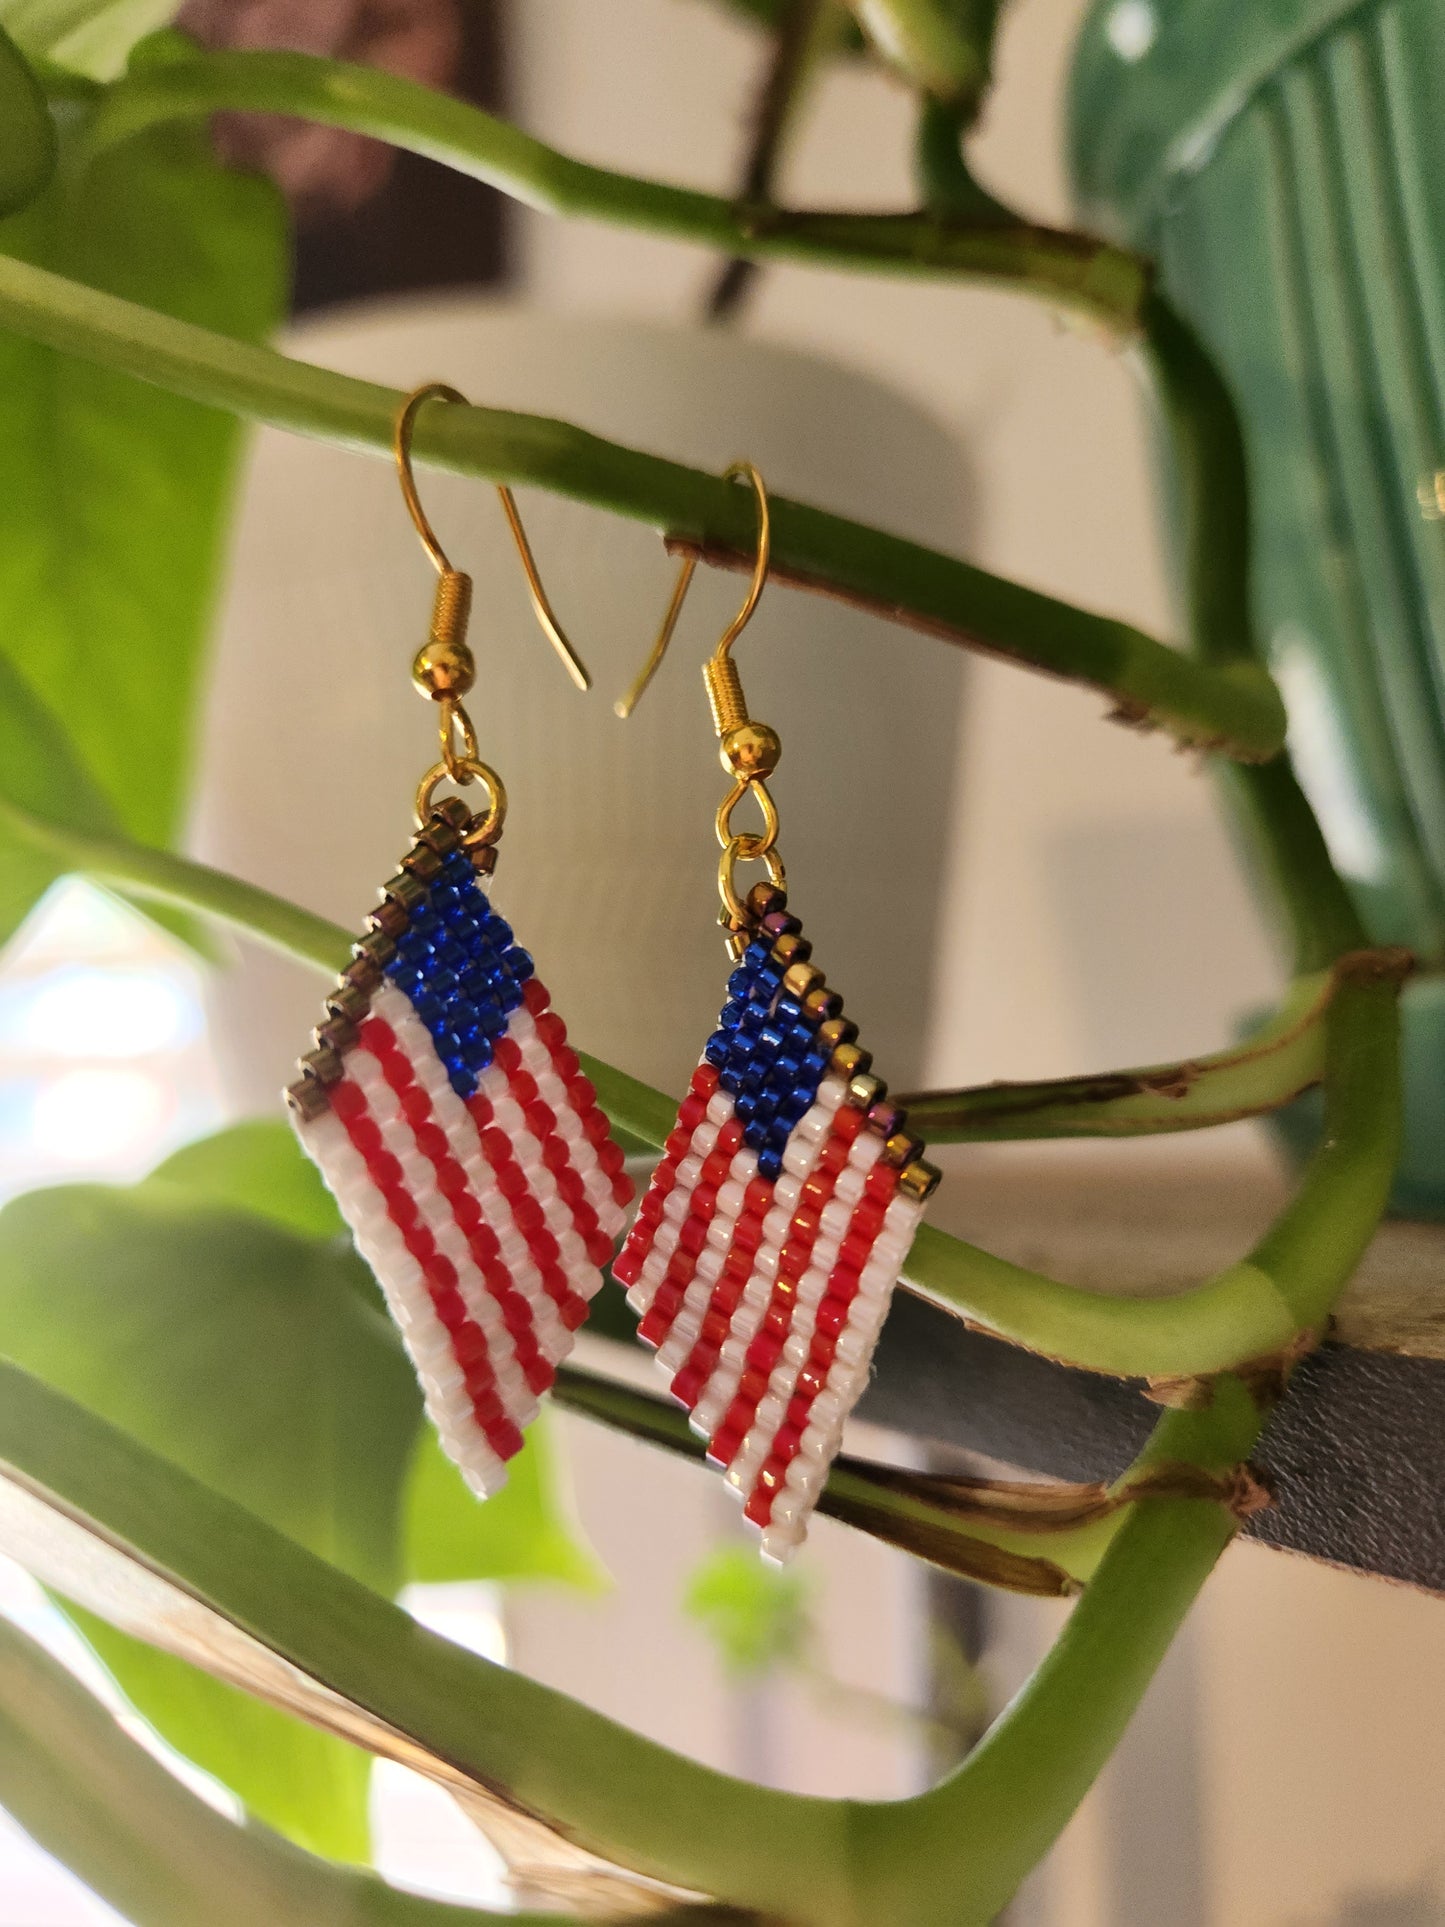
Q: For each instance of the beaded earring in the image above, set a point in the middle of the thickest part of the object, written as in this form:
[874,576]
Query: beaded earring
[765,1253]
[442,1102]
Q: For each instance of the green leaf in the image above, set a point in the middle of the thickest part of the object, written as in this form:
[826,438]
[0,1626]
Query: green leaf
[104,1520]
[27,133]
[243,1353]
[39,773]
[944,46]
[524,1532]
[300,1781]
[116,493]
[257,1166]
[83,1789]
[90,37]
[521,1533]
[757,1616]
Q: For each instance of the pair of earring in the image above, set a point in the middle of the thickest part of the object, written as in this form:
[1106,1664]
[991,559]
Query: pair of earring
[451,1119]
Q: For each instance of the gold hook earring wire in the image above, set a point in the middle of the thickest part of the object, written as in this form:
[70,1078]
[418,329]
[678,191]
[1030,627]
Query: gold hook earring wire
[452,579]
[722,654]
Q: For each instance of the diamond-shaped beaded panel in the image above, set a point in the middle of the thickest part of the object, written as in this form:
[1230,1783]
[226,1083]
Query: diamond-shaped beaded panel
[764,1256]
[452,1122]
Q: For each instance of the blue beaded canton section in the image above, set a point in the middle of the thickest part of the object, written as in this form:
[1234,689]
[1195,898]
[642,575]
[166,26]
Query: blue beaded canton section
[766,1054]
[462,970]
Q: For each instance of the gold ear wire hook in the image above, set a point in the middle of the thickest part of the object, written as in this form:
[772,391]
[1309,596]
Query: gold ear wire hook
[454,592]
[720,665]
[749,751]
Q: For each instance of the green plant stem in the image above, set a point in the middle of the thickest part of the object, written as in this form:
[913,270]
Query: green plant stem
[1019,1786]
[1211,478]
[89,1794]
[949,190]
[158,876]
[1102,281]
[115,1526]
[1236,707]
[980,1830]
[796,45]
[944,47]
[1211,481]
[902,1510]
[1251,1309]
[1279,1061]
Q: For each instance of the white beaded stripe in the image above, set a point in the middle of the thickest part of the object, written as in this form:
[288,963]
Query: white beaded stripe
[675,1209]
[847,1379]
[426,1339]
[554,1093]
[772,1409]
[683,1333]
[719,1235]
[464,1137]
[647,1241]
[419,1177]
[464,1141]
[848,1371]
[493,1084]
[582,1153]
[810,1141]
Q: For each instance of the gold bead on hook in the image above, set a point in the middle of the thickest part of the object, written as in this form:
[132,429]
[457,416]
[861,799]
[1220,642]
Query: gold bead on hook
[444,668]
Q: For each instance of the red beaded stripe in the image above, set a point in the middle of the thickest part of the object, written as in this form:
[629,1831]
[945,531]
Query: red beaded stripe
[692,1234]
[701,1362]
[541,1121]
[833,1312]
[627,1266]
[582,1093]
[772,1334]
[654,1222]
[527,1213]
[468,1341]
[377,1036]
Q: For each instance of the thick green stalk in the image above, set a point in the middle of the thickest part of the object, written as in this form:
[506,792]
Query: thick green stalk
[1256,1307]
[159,876]
[86,1792]
[1235,706]
[109,1523]
[1102,281]
[1019,1786]
[801,39]
[945,47]
[1211,481]
[1282,1059]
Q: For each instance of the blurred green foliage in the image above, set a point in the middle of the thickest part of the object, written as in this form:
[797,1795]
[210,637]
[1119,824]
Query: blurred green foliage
[117,493]
[218,1313]
[757,1616]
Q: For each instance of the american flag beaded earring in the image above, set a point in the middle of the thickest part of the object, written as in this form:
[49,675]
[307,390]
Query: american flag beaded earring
[765,1253]
[442,1102]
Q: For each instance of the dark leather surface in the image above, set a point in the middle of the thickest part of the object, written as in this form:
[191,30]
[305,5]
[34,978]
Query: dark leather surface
[1355,1455]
